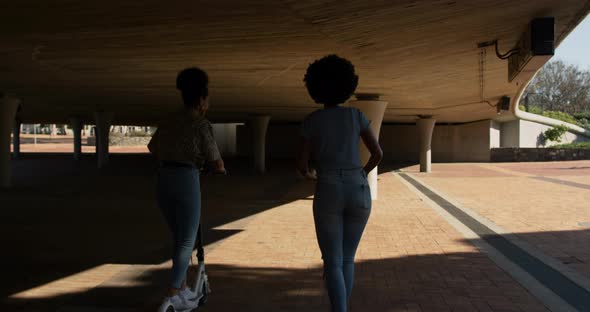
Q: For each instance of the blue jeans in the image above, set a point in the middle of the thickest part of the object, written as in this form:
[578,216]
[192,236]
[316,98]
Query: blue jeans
[341,208]
[179,198]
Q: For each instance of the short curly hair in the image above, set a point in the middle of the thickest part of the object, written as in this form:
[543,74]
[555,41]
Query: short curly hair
[193,83]
[331,80]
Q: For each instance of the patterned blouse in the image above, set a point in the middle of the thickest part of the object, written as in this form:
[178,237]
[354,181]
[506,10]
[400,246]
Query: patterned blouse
[185,138]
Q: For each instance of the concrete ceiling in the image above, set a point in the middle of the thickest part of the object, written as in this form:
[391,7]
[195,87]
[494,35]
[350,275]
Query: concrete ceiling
[74,57]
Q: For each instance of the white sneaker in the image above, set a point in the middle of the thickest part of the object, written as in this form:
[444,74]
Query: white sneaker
[188,294]
[178,303]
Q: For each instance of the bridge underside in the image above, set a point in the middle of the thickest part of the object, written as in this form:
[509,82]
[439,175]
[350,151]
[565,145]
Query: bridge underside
[109,62]
[67,58]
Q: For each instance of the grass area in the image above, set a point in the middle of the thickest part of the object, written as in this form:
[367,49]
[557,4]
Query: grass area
[578,119]
[573,145]
[562,116]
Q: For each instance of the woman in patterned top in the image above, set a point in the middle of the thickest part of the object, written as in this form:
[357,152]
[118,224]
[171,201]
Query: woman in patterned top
[183,144]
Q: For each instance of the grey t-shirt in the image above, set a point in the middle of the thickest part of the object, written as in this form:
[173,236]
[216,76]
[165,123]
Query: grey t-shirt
[334,134]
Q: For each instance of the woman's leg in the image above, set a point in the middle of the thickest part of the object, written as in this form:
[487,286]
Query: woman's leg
[327,208]
[167,204]
[188,214]
[355,219]
[179,198]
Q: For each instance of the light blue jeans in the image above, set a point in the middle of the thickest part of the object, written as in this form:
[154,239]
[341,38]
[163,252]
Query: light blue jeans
[341,209]
[179,198]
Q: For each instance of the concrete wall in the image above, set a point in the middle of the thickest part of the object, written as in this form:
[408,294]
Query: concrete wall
[450,143]
[470,142]
[400,143]
[495,134]
[510,134]
[284,139]
[242,141]
[528,134]
[531,132]
[226,137]
[281,141]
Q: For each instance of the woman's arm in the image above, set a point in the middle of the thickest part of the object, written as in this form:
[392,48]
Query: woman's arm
[373,146]
[211,151]
[303,156]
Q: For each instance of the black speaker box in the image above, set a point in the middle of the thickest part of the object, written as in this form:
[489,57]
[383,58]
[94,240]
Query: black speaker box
[543,36]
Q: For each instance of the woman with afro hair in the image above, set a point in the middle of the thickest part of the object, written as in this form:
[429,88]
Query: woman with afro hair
[330,140]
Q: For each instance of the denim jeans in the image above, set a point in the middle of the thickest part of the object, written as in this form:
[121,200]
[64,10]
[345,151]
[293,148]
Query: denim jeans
[179,198]
[341,208]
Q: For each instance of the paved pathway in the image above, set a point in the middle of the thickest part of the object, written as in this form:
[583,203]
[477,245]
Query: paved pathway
[546,204]
[99,245]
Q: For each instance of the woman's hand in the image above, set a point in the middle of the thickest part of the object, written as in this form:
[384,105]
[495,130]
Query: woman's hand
[217,167]
[219,172]
[311,175]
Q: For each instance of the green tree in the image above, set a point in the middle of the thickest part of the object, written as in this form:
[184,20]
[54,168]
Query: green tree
[554,134]
[559,87]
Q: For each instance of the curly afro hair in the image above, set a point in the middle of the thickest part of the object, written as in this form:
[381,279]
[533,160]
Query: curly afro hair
[331,80]
[193,83]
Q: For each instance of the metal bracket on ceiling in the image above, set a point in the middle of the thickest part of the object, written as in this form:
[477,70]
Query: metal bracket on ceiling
[367,96]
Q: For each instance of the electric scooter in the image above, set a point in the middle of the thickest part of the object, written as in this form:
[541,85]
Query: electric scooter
[200,289]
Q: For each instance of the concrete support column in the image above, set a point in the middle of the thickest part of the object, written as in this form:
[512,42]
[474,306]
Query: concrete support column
[103,126]
[374,110]
[76,124]
[425,127]
[16,139]
[258,126]
[8,108]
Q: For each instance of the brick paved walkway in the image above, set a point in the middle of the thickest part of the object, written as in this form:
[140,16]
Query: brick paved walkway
[99,245]
[551,216]
[410,259]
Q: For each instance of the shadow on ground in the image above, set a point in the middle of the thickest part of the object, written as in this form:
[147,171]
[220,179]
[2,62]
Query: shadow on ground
[63,217]
[451,282]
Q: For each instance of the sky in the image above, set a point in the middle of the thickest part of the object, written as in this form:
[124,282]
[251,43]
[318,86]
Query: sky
[575,48]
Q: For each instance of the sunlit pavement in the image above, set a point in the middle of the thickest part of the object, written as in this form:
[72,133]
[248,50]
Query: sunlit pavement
[545,204]
[79,239]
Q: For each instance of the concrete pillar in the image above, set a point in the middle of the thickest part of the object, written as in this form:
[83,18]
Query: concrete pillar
[258,126]
[425,127]
[16,139]
[374,110]
[103,126]
[8,108]
[76,124]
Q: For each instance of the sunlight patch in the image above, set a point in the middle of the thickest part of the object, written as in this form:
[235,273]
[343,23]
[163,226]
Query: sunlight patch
[76,283]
